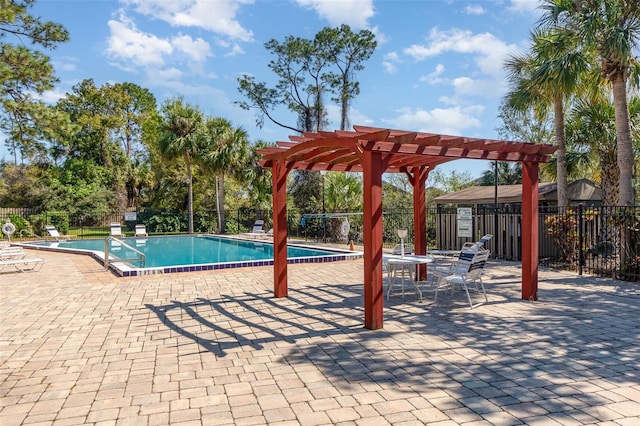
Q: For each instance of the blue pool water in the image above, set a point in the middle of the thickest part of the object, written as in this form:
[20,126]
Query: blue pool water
[189,253]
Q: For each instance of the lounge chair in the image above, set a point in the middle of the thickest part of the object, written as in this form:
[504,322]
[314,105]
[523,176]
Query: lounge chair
[268,234]
[141,230]
[53,233]
[11,253]
[258,229]
[22,265]
[116,230]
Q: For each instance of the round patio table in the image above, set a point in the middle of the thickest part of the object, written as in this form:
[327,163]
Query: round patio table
[404,265]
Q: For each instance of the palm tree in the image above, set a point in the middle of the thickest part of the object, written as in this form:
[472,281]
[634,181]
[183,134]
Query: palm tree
[508,174]
[591,128]
[344,191]
[592,125]
[182,124]
[139,179]
[579,163]
[226,149]
[610,29]
[256,178]
[548,74]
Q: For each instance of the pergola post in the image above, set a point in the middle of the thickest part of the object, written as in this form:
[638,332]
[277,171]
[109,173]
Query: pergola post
[372,233]
[279,194]
[530,231]
[418,180]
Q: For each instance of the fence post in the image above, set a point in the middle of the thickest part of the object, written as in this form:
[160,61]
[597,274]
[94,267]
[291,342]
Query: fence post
[580,239]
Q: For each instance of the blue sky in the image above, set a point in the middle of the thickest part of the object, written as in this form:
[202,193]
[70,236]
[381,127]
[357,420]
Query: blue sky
[437,68]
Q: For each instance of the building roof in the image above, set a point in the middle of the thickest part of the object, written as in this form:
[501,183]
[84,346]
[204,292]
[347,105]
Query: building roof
[579,190]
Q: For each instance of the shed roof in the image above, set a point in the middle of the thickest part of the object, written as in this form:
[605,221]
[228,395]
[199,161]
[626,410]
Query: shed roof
[578,190]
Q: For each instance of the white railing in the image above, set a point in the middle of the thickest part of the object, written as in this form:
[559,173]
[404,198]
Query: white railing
[142,258]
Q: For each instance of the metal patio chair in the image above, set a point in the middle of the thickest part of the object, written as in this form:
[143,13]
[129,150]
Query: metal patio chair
[466,271]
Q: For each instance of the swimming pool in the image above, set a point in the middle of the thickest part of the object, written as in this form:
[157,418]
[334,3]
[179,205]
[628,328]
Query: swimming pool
[188,253]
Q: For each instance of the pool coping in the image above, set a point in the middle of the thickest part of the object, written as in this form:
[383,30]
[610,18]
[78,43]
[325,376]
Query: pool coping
[124,269]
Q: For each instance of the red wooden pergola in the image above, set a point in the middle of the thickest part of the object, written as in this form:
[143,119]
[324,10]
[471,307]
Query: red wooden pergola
[374,151]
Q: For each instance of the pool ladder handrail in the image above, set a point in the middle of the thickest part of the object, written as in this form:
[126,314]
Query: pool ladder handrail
[142,258]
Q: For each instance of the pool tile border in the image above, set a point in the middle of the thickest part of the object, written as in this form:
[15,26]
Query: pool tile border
[122,269]
[126,271]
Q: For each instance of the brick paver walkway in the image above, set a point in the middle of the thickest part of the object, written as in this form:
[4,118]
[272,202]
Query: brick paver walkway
[81,346]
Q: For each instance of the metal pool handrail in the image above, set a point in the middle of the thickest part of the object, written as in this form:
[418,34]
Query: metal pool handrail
[142,258]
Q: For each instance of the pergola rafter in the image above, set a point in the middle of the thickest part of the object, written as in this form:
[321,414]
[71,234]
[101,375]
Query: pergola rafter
[374,151]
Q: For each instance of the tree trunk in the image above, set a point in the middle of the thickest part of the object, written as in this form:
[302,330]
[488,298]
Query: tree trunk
[220,202]
[609,185]
[561,153]
[610,179]
[344,95]
[625,157]
[190,194]
[623,134]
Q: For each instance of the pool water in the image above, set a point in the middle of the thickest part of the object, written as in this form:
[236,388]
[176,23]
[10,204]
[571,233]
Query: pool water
[183,253]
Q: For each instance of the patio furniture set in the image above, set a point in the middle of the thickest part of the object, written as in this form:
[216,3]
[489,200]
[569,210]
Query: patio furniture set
[447,270]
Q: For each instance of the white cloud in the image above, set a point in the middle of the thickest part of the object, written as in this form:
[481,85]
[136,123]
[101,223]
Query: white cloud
[172,81]
[357,117]
[50,96]
[490,52]
[235,50]
[355,13]
[389,62]
[447,100]
[524,6]
[474,9]
[218,16]
[389,67]
[381,38]
[434,77]
[127,43]
[450,121]
[468,86]
[133,50]
[65,63]
[197,50]
[392,57]
[161,77]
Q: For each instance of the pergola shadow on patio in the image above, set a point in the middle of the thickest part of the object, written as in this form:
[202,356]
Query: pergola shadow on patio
[374,151]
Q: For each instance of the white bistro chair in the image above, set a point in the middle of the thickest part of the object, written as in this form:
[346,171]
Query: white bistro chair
[466,271]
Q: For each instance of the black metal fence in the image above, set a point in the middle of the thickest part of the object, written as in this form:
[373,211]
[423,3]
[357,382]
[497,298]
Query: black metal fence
[603,241]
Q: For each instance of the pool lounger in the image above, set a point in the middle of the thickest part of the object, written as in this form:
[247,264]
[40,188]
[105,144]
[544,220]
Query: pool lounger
[22,265]
[11,252]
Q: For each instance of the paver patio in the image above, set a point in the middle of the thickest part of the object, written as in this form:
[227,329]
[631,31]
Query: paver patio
[81,346]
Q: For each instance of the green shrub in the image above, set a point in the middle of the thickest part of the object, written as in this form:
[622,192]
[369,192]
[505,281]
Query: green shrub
[19,222]
[38,223]
[204,222]
[165,222]
[59,219]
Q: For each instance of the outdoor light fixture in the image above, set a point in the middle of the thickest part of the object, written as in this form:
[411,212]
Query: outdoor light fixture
[402,233]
